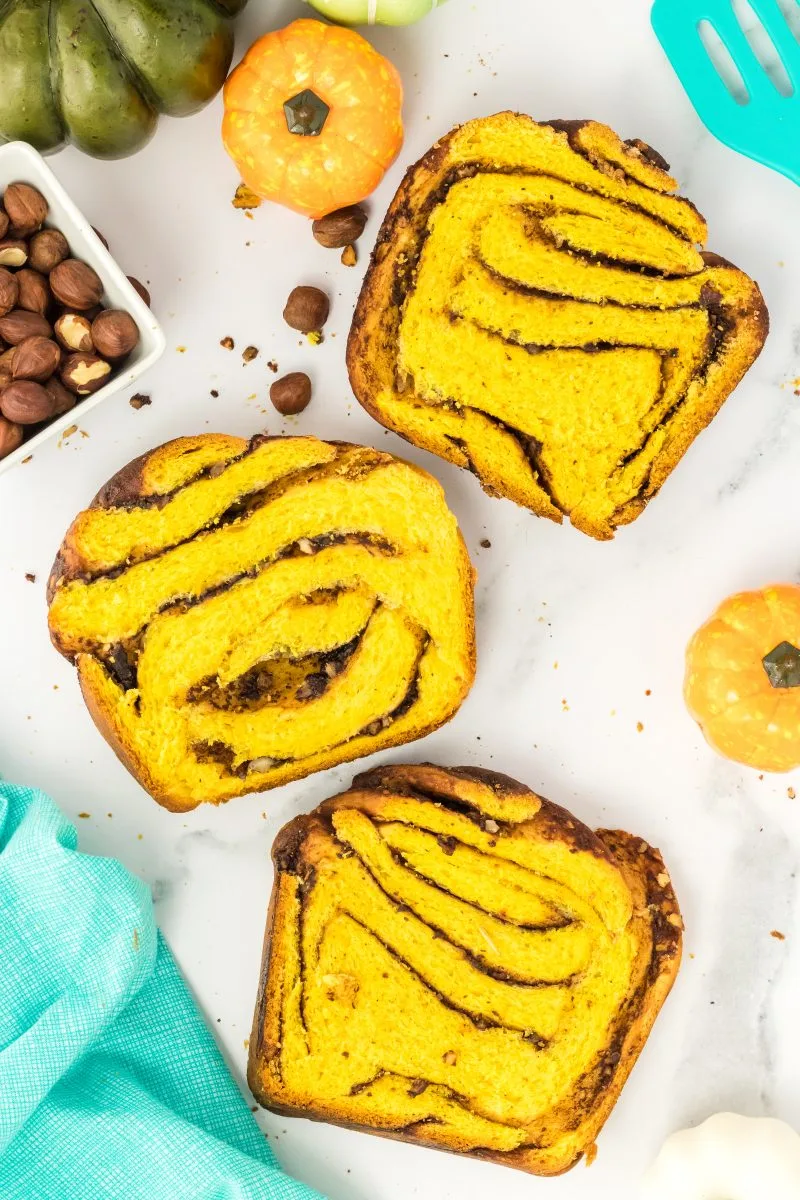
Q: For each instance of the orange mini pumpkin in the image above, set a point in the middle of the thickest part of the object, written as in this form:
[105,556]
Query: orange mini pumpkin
[313,117]
[743,678]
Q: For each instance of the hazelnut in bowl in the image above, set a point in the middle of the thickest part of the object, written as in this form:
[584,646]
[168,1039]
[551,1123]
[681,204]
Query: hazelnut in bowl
[73,328]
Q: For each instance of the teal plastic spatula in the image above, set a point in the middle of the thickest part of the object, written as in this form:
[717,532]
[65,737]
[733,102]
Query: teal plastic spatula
[765,125]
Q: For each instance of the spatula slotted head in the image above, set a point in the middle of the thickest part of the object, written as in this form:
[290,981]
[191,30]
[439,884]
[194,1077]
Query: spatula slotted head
[748,98]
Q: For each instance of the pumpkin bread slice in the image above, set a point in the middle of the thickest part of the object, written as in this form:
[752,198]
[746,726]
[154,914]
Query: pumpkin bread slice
[242,614]
[538,309]
[451,960]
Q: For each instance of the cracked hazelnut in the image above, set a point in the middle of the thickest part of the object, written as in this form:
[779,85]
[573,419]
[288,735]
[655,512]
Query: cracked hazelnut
[20,324]
[47,249]
[76,284]
[140,288]
[13,252]
[74,332]
[26,402]
[114,333]
[84,373]
[11,435]
[63,399]
[34,294]
[291,394]
[340,228]
[26,208]
[35,358]
[306,309]
[9,291]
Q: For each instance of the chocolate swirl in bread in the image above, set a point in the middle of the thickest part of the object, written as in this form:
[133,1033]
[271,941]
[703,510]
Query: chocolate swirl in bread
[539,311]
[241,615]
[452,960]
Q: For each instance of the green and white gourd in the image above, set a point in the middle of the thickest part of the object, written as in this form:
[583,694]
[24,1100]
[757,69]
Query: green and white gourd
[375,12]
[728,1157]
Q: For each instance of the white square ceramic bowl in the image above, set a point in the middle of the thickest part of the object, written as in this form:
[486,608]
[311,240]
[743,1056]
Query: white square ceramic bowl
[20,162]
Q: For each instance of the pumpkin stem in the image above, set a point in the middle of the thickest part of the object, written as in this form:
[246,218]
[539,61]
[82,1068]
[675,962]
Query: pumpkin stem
[783,666]
[305,114]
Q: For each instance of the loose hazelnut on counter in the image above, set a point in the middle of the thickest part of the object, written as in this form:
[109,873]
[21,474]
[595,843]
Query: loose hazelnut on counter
[9,291]
[20,324]
[306,309]
[34,294]
[26,208]
[11,435]
[76,284]
[62,399]
[291,394]
[140,288]
[13,252]
[47,249]
[340,228]
[26,402]
[84,373]
[74,332]
[114,333]
[35,358]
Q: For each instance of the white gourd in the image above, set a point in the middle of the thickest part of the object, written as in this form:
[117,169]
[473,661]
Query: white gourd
[375,12]
[728,1157]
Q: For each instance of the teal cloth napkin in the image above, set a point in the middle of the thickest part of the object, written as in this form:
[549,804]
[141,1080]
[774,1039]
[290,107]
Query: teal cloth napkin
[111,1086]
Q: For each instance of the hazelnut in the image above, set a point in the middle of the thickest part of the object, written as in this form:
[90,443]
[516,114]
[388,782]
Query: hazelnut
[74,332]
[26,208]
[99,237]
[84,373]
[7,366]
[11,435]
[114,333]
[9,291]
[3,224]
[13,252]
[140,288]
[47,249]
[306,309]
[340,228]
[34,294]
[26,402]
[63,399]
[76,284]
[35,358]
[291,394]
[20,324]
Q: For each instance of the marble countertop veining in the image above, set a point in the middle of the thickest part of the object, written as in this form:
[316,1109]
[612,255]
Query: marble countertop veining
[580,643]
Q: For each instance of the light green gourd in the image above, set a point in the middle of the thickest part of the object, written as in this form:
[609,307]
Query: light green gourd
[375,12]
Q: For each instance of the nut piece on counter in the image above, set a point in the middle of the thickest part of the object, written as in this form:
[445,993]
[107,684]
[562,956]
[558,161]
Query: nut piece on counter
[35,358]
[26,402]
[306,309]
[9,291]
[140,288]
[13,252]
[74,332]
[11,435]
[84,373]
[26,208]
[62,399]
[349,256]
[34,294]
[291,394]
[114,333]
[245,197]
[20,324]
[47,249]
[340,228]
[76,284]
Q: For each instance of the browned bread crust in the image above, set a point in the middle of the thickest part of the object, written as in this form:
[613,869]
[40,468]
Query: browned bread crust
[377,1010]
[537,310]
[243,614]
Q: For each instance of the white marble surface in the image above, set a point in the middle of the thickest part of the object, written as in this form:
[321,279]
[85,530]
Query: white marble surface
[614,618]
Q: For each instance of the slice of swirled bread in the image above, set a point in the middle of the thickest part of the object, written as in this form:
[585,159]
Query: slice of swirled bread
[538,309]
[242,614]
[451,960]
